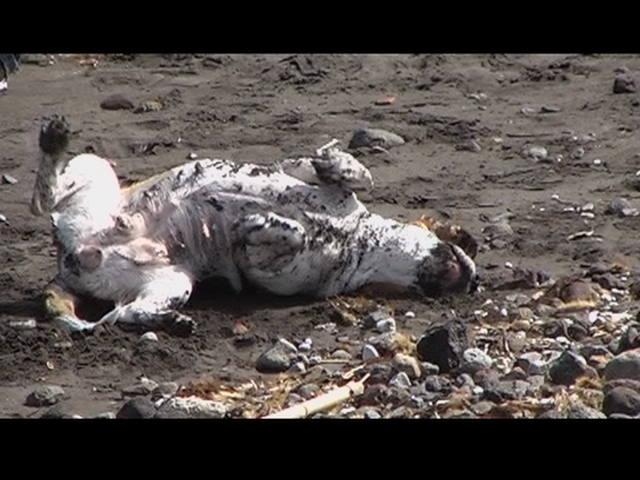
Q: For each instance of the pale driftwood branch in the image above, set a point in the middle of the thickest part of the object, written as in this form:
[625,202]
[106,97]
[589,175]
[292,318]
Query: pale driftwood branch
[331,144]
[323,402]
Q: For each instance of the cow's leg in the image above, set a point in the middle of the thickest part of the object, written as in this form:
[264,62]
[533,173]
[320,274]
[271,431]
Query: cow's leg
[60,305]
[269,241]
[155,306]
[331,166]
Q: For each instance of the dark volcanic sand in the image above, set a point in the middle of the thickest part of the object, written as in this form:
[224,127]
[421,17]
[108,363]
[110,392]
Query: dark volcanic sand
[264,108]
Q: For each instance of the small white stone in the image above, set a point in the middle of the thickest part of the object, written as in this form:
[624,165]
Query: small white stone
[298,367]
[387,325]
[149,336]
[314,360]
[410,315]
[597,161]
[401,380]
[369,352]
[192,156]
[306,345]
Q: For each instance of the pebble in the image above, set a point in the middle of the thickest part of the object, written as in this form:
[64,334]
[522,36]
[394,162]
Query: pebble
[165,390]
[298,367]
[624,83]
[621,207]
[407,364]
[429,368]
[498,230]
[521,325]
[191,407]
[314,360]
[566,369]
[45,396]
[410,315]
[192,156]
[549,109]
[516,373]
[387,342]
[444,344]
[306,345]
[400,380]
[621,400]
[536,152]
[341,355]
[380,373]
[624,366]
[9,180]
[375,395]
[144,387]
[371,137]
[137,407]
[434,383]
[387,325]
[149,337]
[275,360]
[531,363]
[308,391]
[465,380]
[483,407]
[60,410]
[372,414]
[506,390]
[517,341]
[369,352]
[474,359]
[372,319]
[581,411]
[116,102]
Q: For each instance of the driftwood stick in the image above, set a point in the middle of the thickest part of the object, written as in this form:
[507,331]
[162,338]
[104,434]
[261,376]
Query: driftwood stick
[327,146]
[323,402]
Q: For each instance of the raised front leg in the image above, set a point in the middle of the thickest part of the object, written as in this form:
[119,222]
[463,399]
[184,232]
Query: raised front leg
[331,166]
[155,306]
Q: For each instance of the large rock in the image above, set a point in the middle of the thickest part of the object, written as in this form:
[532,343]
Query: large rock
[191,407]
[116,102]
[567,368]
[374,137]
[275,360]
[444,344]
[621,400]
[137,407]
[45,396]
[625,365]
[624,83]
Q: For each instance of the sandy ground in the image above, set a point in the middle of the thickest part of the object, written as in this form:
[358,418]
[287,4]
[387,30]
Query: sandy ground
[265,108]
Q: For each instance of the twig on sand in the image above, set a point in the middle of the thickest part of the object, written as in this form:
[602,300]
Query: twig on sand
[323,402]
[327,146]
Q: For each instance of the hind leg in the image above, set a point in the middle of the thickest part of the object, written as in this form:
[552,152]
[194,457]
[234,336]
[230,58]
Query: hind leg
[331,166]
[269,241]
[155,306]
